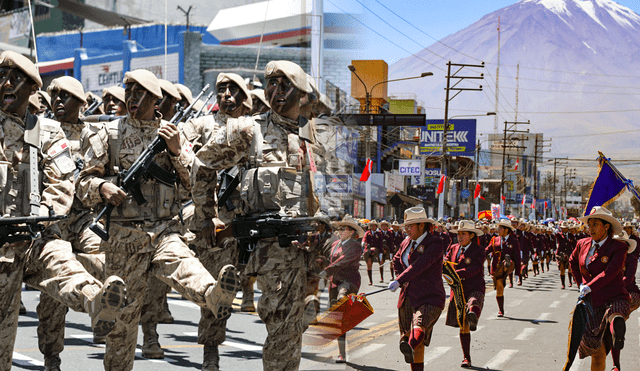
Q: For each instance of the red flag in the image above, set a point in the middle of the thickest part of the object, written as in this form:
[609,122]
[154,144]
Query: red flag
[524,199]
[481,197]
[533,204]
[443,178]
[504,198]
[517,163]
[366,173]
[545,205]
[476,194]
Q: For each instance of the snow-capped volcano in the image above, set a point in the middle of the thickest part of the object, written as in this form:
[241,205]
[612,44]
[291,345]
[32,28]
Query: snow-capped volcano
[579,73]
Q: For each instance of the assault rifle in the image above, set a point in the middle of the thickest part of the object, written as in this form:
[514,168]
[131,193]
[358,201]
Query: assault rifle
[142,168]
[201,110]
[28,228]
[92,108]
[248,230]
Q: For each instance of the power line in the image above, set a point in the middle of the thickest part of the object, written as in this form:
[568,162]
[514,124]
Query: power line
[571,91]
[596,134]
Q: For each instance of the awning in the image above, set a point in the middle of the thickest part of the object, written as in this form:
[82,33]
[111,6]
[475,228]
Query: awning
[98,15]
[404,198]
[51,66]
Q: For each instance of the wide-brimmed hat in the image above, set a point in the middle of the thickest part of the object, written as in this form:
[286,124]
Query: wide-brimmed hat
[624,237]
[505,223]
[395,224]
[628,224]
[373,222]
[348,221]
[467,226]
[385,222]
[415,215]
[599,212]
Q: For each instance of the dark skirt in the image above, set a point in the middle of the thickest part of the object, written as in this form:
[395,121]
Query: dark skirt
[598,327]
[476,298]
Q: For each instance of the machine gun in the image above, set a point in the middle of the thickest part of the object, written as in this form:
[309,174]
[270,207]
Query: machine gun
[28,228]
[248,230]
[142,168]
[229,180]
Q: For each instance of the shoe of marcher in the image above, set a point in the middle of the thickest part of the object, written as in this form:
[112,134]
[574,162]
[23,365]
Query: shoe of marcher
[106,305]
[465,363]
[619,330]
[407,350]
[340,359]
[472,318]
[220,296]
[500,314]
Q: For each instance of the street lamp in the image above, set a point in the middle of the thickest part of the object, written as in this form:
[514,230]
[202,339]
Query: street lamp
[444,157]
[368,128]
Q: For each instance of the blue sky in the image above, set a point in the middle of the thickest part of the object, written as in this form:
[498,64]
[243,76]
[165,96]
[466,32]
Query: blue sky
[435,18]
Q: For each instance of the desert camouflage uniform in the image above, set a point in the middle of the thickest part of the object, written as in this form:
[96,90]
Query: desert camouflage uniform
[144,239]
[85,244]
[281,270]
[48,264]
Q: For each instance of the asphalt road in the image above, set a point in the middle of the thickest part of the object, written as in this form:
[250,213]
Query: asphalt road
[531,336]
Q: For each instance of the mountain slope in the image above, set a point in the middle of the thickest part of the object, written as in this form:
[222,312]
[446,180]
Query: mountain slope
[575,57]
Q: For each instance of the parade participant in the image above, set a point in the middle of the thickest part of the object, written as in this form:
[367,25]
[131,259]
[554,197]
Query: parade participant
[260,104]
[68,97]
[629,281]
[398,237]
[235,102]
[169,100]
[186,97]
[418,268]
[113,101]
[514,224]
[631,231]
[147,238]
[372,249]
[597,265]
[90,99]
[525,248]
[34,104]
[45,102]
[47,263]
[563,252]
[504,250]
[286,137]
[468,258]
[344,263]
[387,244]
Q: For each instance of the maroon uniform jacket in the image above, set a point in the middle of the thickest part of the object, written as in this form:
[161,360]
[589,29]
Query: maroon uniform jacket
[630,268]
[564,244]
[509,247]
[373,240]
[605,271]
[421,281]
[344,263]
[525,245]
[469,266]
[398,237]
[387,239]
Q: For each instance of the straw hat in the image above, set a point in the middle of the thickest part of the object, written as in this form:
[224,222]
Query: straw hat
[624,237]
[467,226]
[628,224]
[505,223]
[348,221]
[415,215]
[385,222]
[395,224]
[599,212]
[374,222]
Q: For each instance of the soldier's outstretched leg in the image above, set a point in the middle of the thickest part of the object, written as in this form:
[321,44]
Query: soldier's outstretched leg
[51,321]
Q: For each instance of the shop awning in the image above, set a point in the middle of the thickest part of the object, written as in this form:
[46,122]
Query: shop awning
[98,15]
[391,198]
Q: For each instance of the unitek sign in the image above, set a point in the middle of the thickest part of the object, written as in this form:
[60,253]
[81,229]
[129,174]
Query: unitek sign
[461,137]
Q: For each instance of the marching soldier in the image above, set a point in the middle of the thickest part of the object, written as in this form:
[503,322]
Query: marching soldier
[235,102]
[113,101]
[146,239]
[260,104]
[33,149]
[372,248]
[285,148]
[504,250]
[170,97]
[563,252]
[468,258]
[418,268]
[186,97]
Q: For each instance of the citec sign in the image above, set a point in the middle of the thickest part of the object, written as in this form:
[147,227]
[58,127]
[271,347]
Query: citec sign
[461,137]
[410,167]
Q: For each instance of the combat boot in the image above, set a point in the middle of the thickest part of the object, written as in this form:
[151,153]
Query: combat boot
[104,305]
[219,296]
[211,358]
[151,346]
[247,295]
[52,362]
[310,310]
[23,309]
[165,316]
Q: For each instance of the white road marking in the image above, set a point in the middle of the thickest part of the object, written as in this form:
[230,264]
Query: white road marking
[191,333]
[514,303]
[89,339]
[165,360]
[392,315]
[500,359]
[183,303]
[555,304]
[577,363]
[362,352]
[457,336]
[233,344]
[526,334]
[437,352]
[23,360]
[543,317]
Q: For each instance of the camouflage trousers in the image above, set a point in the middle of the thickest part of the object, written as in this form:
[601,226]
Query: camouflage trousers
[48,265]
[212,331]
[134,252]
[51,312]
[282,277]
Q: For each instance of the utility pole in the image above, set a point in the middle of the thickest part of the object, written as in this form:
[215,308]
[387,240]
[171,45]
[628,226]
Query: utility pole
[555,179]
[511,130]
[477,199]
[539,149]
[495,123]
[443,162]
